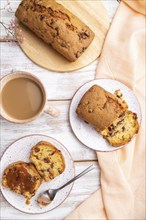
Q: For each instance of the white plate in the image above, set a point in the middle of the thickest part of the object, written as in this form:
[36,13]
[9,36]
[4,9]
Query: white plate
[86,133]
[20,150]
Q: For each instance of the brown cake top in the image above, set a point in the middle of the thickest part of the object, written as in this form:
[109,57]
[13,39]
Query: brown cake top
[99,107]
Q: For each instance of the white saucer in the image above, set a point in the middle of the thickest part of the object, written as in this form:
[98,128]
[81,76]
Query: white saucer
[86,133]
[20,151]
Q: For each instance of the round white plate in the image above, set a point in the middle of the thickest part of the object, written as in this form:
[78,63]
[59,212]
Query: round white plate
[20,150]
[86,133]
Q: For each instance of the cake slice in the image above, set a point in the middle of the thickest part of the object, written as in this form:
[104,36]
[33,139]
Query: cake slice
[48,160]
[122,129]
[22,178]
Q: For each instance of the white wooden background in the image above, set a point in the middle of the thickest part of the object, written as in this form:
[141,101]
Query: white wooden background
[60,89]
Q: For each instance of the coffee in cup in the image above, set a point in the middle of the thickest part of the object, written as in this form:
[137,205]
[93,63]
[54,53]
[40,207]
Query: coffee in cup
[22,97]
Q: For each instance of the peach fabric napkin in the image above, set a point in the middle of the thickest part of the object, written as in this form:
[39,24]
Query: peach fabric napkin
[123,172]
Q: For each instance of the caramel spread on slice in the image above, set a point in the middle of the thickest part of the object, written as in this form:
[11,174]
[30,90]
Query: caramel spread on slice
[20,177]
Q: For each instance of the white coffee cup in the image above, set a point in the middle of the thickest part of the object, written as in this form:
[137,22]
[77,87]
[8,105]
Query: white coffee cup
[45,107]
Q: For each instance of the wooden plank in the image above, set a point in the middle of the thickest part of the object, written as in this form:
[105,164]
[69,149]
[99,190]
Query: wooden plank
[82,189]
[7,15]
[59,128]
[58,85]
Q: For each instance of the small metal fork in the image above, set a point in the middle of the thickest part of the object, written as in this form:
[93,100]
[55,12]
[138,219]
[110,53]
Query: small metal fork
[46,197]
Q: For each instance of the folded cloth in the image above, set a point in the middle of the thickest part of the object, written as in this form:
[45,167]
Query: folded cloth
[123,172]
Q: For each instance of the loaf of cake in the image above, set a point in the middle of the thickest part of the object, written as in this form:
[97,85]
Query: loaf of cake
[109,115]
[48,160]
[99,107]
[57,26]
[122,129]
[22,178]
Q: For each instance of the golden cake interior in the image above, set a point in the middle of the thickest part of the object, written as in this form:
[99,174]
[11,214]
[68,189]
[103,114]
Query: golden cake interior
[48,160]
[122,129]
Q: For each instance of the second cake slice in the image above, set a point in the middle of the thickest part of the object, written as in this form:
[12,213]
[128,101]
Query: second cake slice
[48,160]
[122,129]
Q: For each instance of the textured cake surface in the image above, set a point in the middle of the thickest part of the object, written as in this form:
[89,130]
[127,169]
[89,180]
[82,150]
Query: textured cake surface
[122,129]
[57,26]
[48,160]
[99,107]
[22,178]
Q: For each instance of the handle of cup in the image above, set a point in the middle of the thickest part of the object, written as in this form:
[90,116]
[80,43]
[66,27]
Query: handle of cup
[50,110]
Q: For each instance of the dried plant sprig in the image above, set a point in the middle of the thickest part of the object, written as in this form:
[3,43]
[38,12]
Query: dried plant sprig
[19,34]
[8,28]
[13,32]
[7,7]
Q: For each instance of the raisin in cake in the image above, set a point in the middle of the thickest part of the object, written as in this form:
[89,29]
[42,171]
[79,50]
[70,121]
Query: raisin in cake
[22,178]
[48,160]
[122,129]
